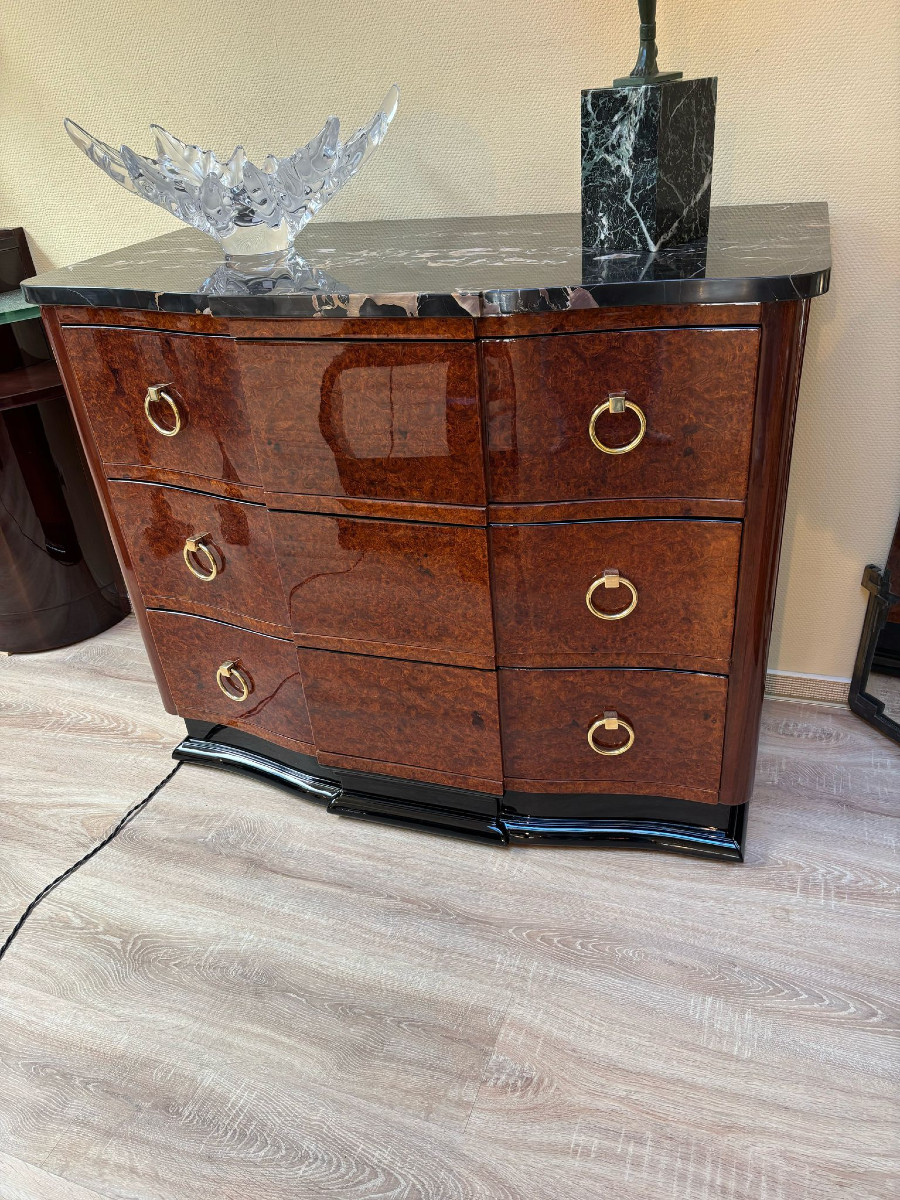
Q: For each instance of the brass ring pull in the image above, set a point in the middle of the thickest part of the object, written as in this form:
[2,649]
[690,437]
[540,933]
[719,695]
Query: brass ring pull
[229,675]
[611,579]
[610,720]
[617,403]
[196,546]
[155,394]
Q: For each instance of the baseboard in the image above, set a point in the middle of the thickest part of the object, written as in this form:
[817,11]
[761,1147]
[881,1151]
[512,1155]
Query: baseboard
[825,689]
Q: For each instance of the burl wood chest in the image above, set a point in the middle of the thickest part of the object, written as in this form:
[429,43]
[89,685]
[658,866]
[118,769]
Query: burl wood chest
[480,534]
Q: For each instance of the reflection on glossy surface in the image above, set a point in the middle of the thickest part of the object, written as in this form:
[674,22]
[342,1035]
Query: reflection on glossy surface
[685,573]
[472,266]
[390,420]
[440,721]
[194,650]
[387,587]
[156,523]
[397,410]
[115,367]
[291,276]
[695,387]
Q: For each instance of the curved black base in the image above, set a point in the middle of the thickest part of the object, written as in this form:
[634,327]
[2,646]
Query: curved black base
[648,822]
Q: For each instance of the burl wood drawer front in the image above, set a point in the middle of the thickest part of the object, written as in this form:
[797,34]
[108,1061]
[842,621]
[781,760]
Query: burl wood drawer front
[410,719]
[405,590]
[116,367]
[210,665]
[210,555]
[678,721]
[694,388]
[391,420]
[677,577]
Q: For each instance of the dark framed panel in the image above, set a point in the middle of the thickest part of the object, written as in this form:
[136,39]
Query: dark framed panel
[875,687]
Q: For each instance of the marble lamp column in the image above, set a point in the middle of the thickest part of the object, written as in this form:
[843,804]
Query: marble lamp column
[646,155]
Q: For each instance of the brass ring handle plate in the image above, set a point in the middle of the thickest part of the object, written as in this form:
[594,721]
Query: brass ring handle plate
[196,547]
[610,721]
[617,403]
[611,579]
[229,676]
[157,394]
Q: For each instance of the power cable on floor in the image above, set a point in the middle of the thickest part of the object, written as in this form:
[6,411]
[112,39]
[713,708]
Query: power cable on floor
[42,895]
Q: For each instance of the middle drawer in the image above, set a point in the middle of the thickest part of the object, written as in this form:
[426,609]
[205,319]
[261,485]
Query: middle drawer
[648,593]
[399,589]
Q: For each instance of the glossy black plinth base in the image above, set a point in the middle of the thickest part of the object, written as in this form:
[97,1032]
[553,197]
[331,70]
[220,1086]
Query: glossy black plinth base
[651,822]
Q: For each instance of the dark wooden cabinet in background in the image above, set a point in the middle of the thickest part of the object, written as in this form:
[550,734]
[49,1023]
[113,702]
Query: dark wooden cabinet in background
[59,579]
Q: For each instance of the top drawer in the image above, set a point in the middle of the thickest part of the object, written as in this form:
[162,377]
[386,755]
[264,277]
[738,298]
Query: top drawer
[116,367]
[694,388]
[387,420]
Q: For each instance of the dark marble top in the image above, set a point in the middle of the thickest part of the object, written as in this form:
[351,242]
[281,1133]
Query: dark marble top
[461,266]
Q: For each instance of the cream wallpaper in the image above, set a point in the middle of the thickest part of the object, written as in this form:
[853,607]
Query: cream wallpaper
[488,122]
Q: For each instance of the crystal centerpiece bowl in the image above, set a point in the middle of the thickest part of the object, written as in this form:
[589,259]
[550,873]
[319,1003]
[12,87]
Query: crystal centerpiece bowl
[253,212]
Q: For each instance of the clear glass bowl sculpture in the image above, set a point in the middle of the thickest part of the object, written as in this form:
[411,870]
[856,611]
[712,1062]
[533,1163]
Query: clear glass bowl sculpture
[253,212]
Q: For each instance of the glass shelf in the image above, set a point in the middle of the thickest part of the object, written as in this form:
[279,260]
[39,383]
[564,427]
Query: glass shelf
[14,307]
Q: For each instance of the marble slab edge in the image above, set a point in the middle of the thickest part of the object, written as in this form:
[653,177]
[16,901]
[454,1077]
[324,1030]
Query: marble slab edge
[461,267]
[656,292]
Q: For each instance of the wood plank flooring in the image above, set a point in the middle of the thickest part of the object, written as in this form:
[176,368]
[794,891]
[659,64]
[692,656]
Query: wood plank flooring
[244,997]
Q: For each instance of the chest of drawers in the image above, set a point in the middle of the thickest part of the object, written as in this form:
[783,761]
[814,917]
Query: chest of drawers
[504,575]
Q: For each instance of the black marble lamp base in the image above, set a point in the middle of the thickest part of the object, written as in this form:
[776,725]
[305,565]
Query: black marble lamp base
[646,164]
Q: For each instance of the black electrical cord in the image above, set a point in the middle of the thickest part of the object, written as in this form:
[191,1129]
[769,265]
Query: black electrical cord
[117,829]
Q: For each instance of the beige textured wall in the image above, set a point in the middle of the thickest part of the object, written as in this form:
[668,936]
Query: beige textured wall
[489,123]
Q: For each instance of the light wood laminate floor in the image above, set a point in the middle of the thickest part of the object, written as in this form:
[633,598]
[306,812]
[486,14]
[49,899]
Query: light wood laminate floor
[243,997]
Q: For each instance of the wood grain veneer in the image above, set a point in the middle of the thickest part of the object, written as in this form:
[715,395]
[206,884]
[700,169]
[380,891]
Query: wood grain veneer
[229,490]
[388,510]
[614,507]
[440,720]
[391,420]
[98,475]
[364,441]
[127,318]
[636,316]
[156,522]
[362,328]
[781,358]
[193,648]
[115,367]
[642,316]
[695,387]
[395,588]
[678,720]
[685,574]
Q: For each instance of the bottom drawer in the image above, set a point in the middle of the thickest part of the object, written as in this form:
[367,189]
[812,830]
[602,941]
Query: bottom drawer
[261,692]
[412,720]
[673,720]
